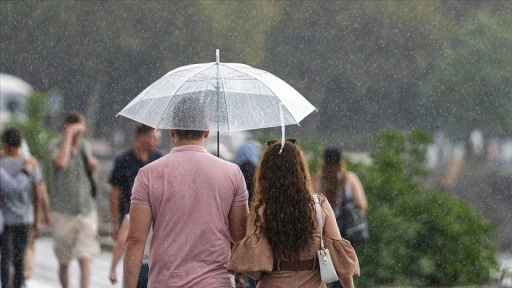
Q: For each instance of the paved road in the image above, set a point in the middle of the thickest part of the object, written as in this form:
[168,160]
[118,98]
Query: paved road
[45,270]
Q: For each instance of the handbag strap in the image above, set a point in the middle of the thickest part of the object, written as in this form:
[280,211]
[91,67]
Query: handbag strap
[318,210]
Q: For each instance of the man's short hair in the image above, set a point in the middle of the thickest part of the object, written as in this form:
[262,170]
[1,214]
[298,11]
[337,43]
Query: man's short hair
[12,137]
[189,134]
[73,117]
[143,129]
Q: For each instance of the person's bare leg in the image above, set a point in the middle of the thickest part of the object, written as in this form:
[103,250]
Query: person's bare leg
[85,272]
[63,275]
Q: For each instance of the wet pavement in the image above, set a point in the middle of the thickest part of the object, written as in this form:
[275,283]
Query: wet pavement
[45,270]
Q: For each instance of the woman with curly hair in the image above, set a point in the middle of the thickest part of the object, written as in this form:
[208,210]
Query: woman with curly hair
[282,238]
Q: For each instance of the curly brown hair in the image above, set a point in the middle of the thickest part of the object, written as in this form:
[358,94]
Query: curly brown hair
[283,187]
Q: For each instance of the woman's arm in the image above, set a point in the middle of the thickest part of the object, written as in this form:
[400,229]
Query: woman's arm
[119,248]
[347,282]
[12,184]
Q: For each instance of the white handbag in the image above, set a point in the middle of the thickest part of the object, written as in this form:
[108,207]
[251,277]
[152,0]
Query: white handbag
[327,271]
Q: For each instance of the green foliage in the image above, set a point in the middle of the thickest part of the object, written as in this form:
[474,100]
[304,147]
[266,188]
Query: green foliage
[366,62]
[471,84]
[33,128]
[418,237]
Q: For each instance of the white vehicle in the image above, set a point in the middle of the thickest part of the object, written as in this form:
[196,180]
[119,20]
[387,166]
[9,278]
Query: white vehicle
[14,92]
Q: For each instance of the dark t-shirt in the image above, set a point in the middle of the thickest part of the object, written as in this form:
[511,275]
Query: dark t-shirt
[248,170]
[126,167]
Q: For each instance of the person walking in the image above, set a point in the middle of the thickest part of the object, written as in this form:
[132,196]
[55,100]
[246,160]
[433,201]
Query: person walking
[336,182]
[75,219]
[44,203]
[282,239]
[19,210]
[125,169]
[339,185]
[197,204]
[247,158]
[13,184]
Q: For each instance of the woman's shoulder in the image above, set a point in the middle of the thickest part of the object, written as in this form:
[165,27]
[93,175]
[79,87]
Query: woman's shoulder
[322,199]
[351,175]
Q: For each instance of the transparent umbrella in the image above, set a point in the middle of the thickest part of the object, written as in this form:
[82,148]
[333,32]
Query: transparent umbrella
[225,97]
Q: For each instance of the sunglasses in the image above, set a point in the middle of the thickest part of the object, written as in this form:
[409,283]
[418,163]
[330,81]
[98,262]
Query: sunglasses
[269,143]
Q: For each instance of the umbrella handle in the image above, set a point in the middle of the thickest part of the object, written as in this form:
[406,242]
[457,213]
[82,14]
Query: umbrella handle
[281,116]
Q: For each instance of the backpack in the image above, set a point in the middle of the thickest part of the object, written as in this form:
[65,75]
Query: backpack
[352,224]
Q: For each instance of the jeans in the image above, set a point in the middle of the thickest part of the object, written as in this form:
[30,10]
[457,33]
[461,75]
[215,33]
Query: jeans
[13,243]
[143,276]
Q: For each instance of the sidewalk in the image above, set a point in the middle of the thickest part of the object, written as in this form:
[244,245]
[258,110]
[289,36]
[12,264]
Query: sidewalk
[46,269]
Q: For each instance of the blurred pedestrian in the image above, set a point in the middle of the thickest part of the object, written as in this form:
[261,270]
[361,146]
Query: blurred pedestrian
[339,185]
[13,184]
[126,167]
[197,204]
[44,203]
[75,219]
[118,251]
[282,239]
[247,158]
[336,182]
[10,184]
[19,209]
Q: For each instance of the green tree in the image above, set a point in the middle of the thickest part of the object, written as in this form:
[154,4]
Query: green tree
[471,85]
[33,128]
[357,61]
[419,237]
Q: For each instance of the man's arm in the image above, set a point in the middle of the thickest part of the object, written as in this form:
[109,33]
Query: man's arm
[115,198]
[35,200]
[42,196]
[61,159]
[238,221]
[140,223]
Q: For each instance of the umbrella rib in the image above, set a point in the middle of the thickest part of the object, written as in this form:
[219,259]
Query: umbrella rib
[168,104]
[225,103]
[264,84]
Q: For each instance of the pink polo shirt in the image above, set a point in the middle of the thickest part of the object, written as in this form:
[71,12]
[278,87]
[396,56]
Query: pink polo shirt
[190,193]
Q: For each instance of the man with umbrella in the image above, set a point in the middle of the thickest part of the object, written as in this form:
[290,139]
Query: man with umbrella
[197,204]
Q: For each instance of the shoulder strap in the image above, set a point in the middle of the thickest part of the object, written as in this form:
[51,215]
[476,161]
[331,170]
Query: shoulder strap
[88,171]
[318,210]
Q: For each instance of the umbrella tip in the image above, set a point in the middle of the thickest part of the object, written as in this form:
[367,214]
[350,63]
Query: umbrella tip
[217,56]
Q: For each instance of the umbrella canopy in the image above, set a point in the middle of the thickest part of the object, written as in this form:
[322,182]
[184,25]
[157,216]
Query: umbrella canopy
[224,97]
